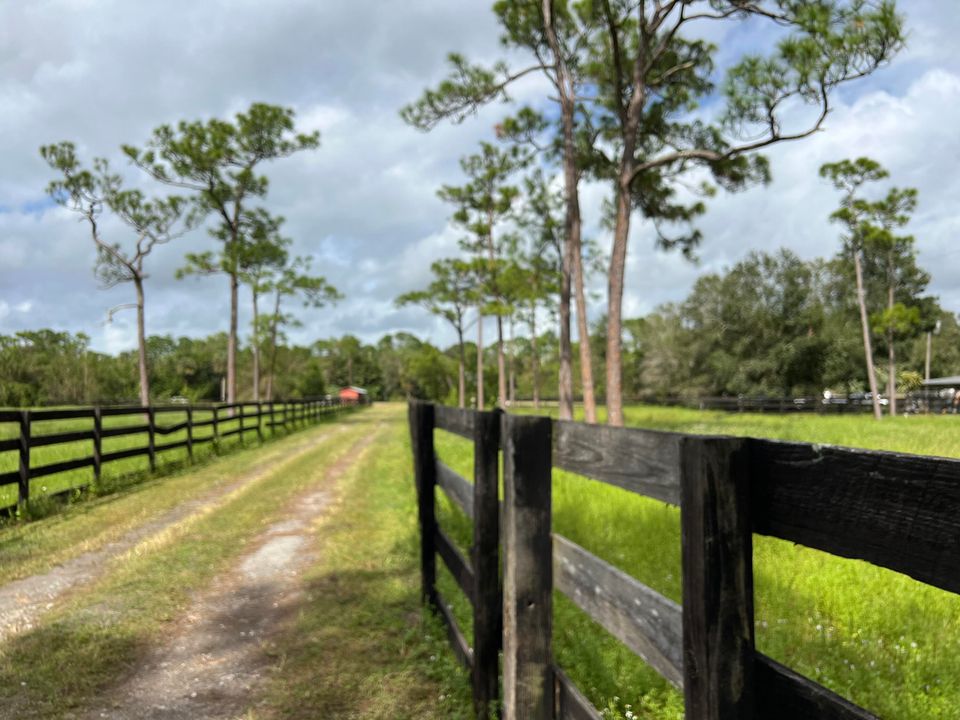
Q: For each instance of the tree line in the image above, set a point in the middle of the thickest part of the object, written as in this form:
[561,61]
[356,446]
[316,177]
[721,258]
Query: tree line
[623,84]
[771,325]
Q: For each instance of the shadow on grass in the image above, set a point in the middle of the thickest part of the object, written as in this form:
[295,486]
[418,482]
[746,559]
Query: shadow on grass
[50,671]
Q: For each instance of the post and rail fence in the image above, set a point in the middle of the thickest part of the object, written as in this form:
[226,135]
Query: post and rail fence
[244,417]
[897,511]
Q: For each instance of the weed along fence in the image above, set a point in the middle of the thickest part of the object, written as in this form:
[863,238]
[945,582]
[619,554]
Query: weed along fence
[143,431]
[901,512]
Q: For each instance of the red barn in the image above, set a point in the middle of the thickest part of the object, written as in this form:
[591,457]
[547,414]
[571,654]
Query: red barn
[353,394]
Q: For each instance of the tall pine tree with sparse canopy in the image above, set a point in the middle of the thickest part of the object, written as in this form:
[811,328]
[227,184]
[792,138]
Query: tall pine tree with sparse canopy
[651,69]
[217,162]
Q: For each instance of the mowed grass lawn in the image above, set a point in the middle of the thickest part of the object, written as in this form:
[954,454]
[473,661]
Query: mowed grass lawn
[880,639]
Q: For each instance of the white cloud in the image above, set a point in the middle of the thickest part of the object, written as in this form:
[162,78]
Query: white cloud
[364,205]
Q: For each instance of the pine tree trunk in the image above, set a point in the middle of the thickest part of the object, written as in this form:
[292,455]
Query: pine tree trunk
[865,326]
[618,260]
[511,372]
[583,333]
[535,351]
[501,366]
[273,348]
[571,249]
[256,349]
[232,341]
[142,346]
[480,404]
[891,352]
[461,370]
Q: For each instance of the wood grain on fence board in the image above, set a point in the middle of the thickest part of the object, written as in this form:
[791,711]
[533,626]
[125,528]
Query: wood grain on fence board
[425,477]
[485,559]
[456,420]
[898,511]
[641,618]
[456,563]
[571,704]
[642,461]
[528,690]
[786,695]
[718,628]
[457,488]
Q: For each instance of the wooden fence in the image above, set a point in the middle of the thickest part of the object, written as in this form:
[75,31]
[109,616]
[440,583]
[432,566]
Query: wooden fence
[225,420]
[897,511]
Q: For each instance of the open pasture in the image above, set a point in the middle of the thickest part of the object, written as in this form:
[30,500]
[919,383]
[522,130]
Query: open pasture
[878,638]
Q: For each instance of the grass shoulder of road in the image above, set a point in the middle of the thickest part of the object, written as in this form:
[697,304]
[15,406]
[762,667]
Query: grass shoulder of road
[28,548]
[363,647]
[879,638]
[97,636]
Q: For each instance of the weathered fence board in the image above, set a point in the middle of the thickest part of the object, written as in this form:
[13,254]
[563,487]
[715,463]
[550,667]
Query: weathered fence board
[455,420]
[787,695]
[570,703]
[425,476]
[717,552]
[456,487]
[456,563]
[642,619]
[528,690]
[642,461]
[485,558]
[898,511]
[901,512]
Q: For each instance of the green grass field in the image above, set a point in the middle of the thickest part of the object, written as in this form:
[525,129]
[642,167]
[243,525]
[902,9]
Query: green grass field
[878,638]
[882,640]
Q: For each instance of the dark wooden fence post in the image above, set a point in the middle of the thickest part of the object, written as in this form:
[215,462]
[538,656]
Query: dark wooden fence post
[97,443]
[425,476]
[485,558]
[24,483]
[528,691]
[151,438]
[242,414]
[260,422]
[216,428]
[718,639]
[190,432]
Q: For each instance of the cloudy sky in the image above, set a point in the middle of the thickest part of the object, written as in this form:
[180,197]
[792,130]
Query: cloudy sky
[105,72]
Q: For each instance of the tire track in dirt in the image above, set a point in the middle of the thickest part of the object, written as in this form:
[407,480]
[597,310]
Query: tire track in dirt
[211,668]
[23,601]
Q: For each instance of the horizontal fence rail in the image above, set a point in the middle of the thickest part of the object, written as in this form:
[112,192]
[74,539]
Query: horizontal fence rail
[896,511]
[225,420]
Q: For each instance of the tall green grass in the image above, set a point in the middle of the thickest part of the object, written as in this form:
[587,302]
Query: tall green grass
[880,639]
